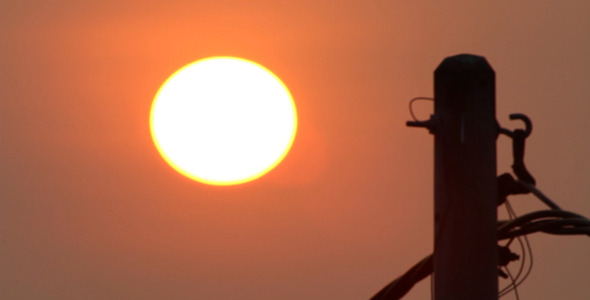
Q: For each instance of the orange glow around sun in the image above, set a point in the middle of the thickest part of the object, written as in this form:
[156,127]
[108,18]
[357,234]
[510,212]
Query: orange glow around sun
[223,120]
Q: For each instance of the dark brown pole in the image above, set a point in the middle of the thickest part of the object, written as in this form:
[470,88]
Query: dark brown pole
[465,243]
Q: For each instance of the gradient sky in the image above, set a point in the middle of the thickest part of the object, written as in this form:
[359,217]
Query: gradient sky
[89,209]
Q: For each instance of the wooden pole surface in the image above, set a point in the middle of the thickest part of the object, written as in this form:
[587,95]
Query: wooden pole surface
[465,247]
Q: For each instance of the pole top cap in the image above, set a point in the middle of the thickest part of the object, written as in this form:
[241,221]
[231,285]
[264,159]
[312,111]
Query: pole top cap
[464,63]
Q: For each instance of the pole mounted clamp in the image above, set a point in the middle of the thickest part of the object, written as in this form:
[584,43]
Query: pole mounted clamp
[430,124]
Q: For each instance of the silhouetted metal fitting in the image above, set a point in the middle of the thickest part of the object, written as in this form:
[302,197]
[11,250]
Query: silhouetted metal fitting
[429,124]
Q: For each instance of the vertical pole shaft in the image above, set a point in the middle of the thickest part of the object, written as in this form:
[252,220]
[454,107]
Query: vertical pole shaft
[465,243]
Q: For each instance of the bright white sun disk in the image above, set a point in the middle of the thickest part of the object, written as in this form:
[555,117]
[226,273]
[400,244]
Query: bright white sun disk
[223,120]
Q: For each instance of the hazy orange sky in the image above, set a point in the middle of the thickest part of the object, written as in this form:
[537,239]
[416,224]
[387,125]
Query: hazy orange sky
[89,209]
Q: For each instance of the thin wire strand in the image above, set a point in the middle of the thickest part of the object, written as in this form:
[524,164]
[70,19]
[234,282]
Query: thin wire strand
[523,252]
[513,283]
[510,287]
[412,101]
[512,215]
[528,251]
[555,221]
[540,195]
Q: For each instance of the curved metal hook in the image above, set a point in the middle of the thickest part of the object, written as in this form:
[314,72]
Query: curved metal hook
[518,140]
[527,123]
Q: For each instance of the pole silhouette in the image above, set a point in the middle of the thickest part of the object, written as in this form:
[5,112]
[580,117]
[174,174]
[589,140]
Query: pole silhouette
[465,131]
[466,258]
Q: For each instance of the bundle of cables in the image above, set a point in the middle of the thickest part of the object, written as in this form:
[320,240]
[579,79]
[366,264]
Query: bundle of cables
[552,221]
[549,221]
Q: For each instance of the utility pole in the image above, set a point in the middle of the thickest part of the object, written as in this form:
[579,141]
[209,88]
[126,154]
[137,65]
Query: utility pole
[465,218]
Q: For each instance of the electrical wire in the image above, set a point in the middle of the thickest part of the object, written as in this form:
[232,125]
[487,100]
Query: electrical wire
[412,101]
[549,221]
[507,289]
[522,225]
[553,221]
[512,215]
[554,226]
[539,195]
[401,285]
[528,271]
[513,283]
[517,280]
[522,245]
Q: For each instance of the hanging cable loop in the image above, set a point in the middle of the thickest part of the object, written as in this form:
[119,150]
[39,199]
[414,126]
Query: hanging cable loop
[412,102]
[429,124]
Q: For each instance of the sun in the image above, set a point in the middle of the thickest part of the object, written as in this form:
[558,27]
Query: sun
[223,120]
